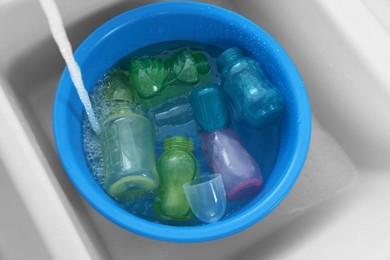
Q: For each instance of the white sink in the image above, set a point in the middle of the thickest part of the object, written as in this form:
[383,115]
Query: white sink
[338,209]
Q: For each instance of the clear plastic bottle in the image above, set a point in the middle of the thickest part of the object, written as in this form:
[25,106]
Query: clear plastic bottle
[176,166]
[222,147]
[150,76]
[128,143]
[256,101]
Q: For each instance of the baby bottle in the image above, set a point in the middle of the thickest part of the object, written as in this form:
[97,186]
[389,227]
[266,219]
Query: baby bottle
[127,142]
[151,76]
[176,166]
[118,86]
[222,147]
[256,101]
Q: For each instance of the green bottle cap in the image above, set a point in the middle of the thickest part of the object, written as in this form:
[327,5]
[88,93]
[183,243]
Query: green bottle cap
[148,76]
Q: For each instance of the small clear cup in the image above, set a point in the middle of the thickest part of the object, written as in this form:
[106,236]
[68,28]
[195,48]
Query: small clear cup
[207,197]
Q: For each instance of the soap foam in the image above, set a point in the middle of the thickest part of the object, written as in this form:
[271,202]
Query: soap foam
[90,142]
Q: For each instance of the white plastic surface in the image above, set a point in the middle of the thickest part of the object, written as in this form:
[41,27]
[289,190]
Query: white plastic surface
[338,208]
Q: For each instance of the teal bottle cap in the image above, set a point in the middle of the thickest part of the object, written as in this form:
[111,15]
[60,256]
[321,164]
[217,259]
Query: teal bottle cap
[209,107]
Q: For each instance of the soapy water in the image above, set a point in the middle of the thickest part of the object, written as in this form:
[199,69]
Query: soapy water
[171,118]
[59,34]
[177,111]
[177,108]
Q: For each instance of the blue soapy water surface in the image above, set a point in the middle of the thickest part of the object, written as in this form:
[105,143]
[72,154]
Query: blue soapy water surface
[175,117]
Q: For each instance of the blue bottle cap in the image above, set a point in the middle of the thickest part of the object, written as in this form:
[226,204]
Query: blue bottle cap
[209,107]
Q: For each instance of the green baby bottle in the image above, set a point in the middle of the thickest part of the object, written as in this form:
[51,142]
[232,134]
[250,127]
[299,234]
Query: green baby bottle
[118,86]
[150,76]
[176,166]
[127,141]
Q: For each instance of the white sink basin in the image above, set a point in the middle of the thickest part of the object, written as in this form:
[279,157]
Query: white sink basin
[338,209]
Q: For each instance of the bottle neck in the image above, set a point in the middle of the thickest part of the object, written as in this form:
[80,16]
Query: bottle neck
[122,109]
[228,58]
[201,63]
[178,143]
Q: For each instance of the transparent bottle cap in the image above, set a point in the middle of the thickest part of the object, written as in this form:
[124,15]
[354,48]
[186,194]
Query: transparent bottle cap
[207,197]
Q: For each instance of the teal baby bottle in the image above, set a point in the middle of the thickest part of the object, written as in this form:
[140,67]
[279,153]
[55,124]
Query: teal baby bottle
[128,143]
[176,166]
[150,76]
[256,101]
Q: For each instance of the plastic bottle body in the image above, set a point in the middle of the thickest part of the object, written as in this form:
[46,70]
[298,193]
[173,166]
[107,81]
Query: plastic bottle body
[176,166]
[172,117]
[256,101]
[226,156]
[156,80]
[185,67]
[127,142]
